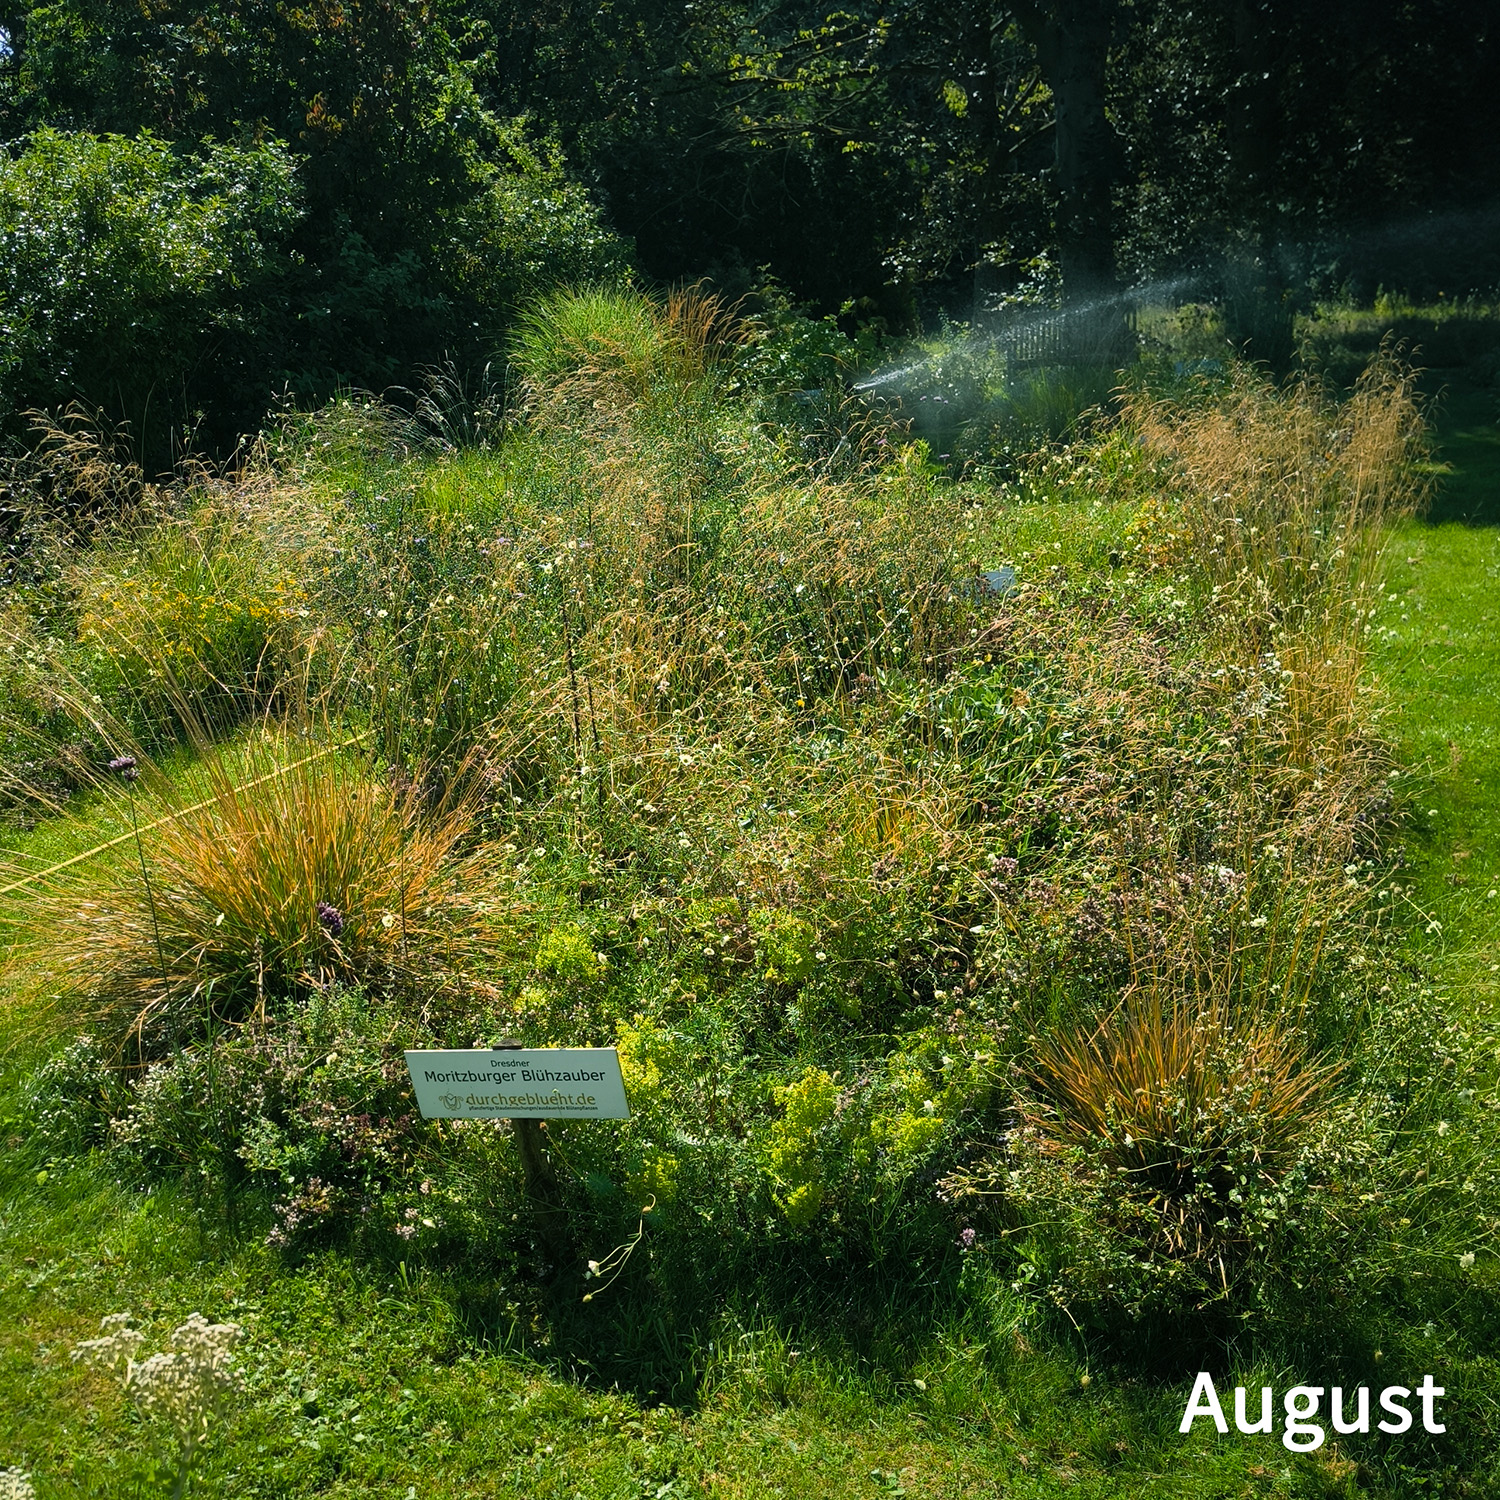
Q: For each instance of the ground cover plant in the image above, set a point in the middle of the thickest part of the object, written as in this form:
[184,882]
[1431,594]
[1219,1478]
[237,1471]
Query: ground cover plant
[996,888]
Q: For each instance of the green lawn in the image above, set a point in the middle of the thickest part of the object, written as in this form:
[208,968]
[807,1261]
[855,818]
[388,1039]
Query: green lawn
[358,1385]
[1440,664]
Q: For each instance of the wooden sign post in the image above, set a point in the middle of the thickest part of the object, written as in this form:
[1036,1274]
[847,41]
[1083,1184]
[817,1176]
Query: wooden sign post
[525,1085]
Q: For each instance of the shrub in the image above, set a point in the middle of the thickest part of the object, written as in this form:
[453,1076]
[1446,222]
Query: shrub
[122,263]
[309,1109]
[526,229]
[786,352]
[129,267]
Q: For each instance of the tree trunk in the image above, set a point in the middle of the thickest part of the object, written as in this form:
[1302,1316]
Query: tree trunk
[1072,42]
[1257,301]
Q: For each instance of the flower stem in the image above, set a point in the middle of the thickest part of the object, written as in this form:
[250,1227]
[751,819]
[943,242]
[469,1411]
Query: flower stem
[161,962]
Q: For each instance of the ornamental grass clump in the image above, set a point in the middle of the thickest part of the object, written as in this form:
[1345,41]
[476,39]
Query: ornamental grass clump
[1281,497]
[1169,1135]
[603,349]
[293,872]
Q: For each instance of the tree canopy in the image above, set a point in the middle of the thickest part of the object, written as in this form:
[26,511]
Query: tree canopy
[389,178]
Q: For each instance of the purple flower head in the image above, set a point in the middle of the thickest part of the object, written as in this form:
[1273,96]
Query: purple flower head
[331,918]
[124,765]
[966,1239]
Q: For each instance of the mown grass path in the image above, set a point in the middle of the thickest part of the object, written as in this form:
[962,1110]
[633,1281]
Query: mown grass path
[1439,660]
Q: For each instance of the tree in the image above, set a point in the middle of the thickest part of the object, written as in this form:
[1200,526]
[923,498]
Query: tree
[137,280]
[425,218]
[1316,141]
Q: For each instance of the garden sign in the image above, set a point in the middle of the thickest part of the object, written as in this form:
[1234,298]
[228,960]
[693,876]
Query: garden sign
[519,1083]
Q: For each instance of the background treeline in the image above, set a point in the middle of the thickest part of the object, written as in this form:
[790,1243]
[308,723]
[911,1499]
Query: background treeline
[200,205]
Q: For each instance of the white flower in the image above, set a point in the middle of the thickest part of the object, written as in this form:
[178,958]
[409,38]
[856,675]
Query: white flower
[116,1350]
[1466,1261]
[184,1388]
[15,1484]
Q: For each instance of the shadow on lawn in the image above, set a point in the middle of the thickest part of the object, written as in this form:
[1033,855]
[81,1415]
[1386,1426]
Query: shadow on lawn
[675,1331]
[1466,423]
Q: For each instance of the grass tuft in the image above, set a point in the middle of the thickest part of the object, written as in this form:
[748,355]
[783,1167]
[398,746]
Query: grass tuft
[1188,1105]
[296,871]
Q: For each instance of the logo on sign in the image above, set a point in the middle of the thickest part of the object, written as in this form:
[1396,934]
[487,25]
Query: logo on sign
[450,1101]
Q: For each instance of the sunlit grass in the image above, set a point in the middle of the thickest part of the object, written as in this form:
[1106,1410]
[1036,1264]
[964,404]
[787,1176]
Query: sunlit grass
[1436,634]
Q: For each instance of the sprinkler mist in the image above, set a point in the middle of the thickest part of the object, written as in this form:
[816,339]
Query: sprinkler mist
[991,393]
[1079,334]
